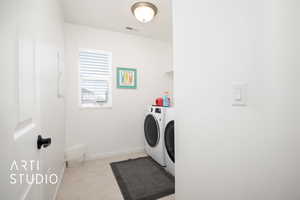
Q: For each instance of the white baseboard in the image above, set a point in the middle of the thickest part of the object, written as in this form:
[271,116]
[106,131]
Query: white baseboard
[111,154]
[27,191]
[61,176]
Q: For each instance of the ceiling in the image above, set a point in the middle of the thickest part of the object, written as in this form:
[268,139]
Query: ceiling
[116,15]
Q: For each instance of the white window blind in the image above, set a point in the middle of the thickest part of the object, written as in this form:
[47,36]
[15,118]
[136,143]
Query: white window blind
[95,77]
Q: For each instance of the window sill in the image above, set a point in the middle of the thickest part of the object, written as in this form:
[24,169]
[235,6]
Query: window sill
[95,106]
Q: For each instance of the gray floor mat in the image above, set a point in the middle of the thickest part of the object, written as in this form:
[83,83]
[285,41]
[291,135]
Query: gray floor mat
[142,179]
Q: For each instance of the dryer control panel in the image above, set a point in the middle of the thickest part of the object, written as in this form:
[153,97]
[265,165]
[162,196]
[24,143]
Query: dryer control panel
[155,110]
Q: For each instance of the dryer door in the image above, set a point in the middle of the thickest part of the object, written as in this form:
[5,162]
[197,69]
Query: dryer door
[151,129]
[169,140]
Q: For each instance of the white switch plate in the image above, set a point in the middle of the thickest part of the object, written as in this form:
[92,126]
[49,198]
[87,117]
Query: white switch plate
[239,94]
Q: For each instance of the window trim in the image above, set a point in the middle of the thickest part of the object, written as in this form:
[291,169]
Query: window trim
[107,105]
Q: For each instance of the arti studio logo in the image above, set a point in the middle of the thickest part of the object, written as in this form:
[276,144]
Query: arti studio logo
[29,172]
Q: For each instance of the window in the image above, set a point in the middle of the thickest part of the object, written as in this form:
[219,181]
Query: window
[95,78]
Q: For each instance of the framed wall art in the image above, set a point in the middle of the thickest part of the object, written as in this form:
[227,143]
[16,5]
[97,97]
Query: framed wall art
[126,78]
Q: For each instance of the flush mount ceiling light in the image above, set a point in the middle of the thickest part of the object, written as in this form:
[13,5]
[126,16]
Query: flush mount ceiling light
[144,11]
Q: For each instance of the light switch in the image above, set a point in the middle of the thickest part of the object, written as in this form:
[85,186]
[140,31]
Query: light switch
[239,94]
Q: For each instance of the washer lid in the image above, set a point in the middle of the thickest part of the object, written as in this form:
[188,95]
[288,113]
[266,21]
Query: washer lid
[151,129]
[169,140]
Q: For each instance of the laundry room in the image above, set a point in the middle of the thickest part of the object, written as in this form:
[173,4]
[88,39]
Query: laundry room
[149,99]
[128,120]
[102,99]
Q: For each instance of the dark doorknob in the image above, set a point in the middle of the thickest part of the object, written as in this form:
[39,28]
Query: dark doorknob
[43,142]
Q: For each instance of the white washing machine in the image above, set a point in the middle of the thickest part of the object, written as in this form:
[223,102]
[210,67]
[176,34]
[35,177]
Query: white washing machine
[154,126]
[169,141]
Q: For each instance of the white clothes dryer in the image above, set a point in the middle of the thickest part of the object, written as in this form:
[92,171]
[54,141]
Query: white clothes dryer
[169,141]
[154,126]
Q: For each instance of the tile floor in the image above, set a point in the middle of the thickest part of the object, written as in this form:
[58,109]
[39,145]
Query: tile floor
[94,180]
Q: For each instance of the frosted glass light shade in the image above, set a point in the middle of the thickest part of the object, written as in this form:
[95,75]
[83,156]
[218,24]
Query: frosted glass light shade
[144,11]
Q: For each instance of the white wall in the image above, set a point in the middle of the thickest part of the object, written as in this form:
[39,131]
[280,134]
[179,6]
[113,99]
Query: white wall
[120,128]
[237,153]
